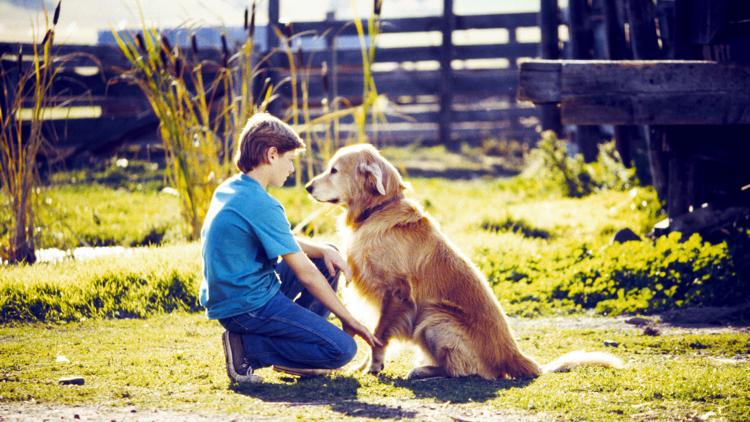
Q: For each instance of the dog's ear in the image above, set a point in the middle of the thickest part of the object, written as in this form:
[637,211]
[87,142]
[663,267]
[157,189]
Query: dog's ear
[373,174]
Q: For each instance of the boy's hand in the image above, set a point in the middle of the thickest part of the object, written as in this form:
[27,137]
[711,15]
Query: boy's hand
[355,328]
[334,260]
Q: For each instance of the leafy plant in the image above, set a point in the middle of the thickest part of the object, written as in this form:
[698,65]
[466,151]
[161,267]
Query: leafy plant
[575,178]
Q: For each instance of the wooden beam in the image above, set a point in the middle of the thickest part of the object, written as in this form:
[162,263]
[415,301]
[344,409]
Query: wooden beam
[446,74]
[640,92]
[549,20]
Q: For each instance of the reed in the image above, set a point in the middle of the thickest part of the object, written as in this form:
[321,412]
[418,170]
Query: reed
[199,120]
[24,87]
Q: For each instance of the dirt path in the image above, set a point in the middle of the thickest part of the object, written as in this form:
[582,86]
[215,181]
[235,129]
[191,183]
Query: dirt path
[401,410]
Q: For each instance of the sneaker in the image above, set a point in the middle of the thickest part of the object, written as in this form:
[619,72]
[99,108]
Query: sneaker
[238,367]
[302,372]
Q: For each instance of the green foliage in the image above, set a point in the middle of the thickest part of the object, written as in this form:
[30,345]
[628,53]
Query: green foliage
[633,277]
[510,224]
[645,277]
[573,177]
[139,284]
[117,173]
[69,216]
[542,254]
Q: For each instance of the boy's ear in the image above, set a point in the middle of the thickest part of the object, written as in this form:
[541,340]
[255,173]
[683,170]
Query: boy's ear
[272,154]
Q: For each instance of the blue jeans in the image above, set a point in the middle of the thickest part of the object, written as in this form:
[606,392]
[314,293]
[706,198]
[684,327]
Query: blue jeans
[293,333]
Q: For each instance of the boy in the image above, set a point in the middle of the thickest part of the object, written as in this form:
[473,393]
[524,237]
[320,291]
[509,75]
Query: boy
[244,233]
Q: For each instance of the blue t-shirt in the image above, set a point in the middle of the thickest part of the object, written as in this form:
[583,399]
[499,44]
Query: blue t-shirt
[244,233]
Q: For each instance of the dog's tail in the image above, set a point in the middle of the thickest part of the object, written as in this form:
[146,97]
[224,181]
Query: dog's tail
[580,358]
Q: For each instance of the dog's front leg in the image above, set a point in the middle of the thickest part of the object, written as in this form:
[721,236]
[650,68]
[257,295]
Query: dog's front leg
[397,315]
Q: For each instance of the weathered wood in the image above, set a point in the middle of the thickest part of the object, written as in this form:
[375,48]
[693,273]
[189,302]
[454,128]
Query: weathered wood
[644,45]
[681,168]
[582,47]
[550,49]
[640,92]
[423,24]
[643,39]
[446,73]
[626,137]
[617,48]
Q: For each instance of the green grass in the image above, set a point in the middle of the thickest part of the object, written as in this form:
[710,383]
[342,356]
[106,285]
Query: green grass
[69,216]
[121,320]
[175,362]
[139,284]
[542,254]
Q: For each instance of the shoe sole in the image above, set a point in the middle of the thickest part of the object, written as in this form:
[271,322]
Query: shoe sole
[233,375]
[303,372]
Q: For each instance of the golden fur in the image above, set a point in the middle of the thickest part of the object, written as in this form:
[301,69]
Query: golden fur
[425,290]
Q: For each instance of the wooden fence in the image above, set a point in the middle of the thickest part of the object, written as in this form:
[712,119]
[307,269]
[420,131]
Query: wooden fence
[673,78]
[432,97]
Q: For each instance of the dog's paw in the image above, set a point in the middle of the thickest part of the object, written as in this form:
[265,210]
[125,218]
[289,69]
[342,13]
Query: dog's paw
[375,367]
[424,372]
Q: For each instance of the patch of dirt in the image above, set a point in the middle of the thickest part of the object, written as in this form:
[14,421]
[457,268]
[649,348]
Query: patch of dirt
[666,324]
[388,409]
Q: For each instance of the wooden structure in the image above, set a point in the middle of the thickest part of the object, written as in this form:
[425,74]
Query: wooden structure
[689,88]
[432,96]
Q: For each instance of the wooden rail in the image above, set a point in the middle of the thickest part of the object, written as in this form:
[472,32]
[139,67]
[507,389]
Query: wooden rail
[435,96]
[672,92]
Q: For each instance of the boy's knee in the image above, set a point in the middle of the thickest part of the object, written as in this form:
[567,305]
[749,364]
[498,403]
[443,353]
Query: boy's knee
[346,349]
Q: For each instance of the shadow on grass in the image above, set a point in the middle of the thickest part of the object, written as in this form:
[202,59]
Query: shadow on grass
[456,390]
[340,393]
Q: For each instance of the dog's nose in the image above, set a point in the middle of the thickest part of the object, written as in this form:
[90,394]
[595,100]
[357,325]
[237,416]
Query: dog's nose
[309,188]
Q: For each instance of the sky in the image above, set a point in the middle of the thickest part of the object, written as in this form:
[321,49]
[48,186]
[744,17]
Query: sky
[80,20]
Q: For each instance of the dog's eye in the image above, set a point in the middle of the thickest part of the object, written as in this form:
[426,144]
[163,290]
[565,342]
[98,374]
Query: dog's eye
[334,171]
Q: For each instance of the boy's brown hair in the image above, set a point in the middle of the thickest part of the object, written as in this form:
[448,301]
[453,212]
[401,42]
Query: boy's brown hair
[261,132]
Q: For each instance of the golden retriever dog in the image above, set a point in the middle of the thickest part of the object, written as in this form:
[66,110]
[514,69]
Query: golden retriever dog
[426,291]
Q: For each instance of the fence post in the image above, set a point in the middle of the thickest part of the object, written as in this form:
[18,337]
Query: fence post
[625,136]
[446,77]
[644,45]
[550,49]
[331,91]
[272,41]
[582,47]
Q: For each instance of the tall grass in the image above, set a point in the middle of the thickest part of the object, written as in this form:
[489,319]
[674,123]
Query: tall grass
[339,107]
[24,87]
[199,120]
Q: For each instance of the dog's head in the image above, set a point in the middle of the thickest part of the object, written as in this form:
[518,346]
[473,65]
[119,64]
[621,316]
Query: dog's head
[357,177]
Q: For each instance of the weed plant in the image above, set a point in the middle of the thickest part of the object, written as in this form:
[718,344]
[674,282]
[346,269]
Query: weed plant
[198,122]
[24,87]
[569,174]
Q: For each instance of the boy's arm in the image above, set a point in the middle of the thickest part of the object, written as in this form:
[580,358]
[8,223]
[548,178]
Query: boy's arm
[317,285]
[330,255]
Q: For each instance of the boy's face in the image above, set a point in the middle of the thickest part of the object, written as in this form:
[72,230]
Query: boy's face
[282,166]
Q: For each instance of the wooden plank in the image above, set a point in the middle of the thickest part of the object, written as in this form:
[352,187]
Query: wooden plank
[550,49]
[409,83]
[643,39]
[446,74]
[423,24]
[640,92]
[582,47]
[507,117]
[539,81]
